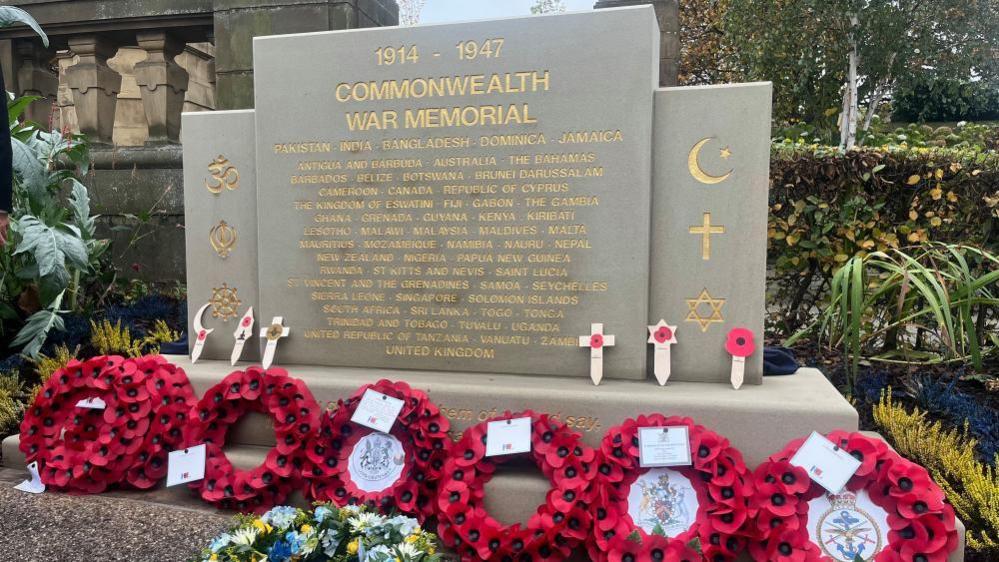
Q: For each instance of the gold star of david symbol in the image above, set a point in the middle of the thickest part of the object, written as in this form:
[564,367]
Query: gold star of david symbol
[705,321]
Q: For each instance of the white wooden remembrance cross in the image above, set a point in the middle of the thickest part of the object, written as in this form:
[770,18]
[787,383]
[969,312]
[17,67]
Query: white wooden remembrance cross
[596,341]
[273,333]
[661,336]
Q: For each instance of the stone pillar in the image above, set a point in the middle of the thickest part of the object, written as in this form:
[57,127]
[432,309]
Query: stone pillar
[35,77]
[163,83]
[95,86]
[237,22]
[668,15]
[65,119]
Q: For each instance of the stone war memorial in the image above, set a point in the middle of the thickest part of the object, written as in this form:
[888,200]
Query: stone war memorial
[508,219]
[454,205]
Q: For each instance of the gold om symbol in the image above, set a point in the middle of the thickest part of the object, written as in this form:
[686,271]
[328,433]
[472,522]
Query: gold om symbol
[224,175]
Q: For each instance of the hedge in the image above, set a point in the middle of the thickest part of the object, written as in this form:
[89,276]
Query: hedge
[827,205]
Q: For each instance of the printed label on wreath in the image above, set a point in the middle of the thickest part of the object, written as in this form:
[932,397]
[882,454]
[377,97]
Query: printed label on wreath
[377,411]
[507,437]
[664,446]
[186,465]
[662,497]
[848,526]
[827,465]
[94,403]
[376,462]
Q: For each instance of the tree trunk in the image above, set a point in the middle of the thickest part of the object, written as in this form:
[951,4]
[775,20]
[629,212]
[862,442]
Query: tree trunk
[848,122]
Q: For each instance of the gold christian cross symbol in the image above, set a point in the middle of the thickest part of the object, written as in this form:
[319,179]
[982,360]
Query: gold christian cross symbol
[706,230]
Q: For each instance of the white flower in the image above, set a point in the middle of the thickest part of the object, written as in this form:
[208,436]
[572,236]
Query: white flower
[362,521]
[380,552]
[245,535]
[405,525]
[407,551]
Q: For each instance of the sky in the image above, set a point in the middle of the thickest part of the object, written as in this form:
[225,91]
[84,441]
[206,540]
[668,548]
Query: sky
[438,11]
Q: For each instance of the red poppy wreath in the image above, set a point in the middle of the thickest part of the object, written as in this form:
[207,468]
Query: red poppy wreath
[558,525]
[349,463]
[890,510]
[86,449]
[679,513]
[296,420]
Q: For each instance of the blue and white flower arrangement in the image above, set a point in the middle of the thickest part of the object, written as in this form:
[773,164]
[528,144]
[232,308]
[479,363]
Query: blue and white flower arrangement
[325,534]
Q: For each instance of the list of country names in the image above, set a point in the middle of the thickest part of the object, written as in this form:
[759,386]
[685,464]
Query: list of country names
[469,246]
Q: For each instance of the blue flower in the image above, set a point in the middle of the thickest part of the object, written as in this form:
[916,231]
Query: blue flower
[280,517]
[279,552]
[322,512]
[296,541]
[220,542]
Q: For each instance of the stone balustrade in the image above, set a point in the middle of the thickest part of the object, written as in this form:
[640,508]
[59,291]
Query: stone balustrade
[122,71]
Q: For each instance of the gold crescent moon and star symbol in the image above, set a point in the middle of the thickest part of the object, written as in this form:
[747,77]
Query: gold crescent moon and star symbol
[694,164]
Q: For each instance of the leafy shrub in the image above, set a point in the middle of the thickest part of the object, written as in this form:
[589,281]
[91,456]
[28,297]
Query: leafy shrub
[926,306]
[827,206]
[113,339]
[949,455]
[54,252]
[928,98]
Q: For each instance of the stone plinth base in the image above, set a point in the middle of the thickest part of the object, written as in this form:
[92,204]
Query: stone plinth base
[759,420]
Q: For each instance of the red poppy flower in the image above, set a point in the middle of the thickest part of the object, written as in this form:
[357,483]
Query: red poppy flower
[739,342]
[626,550]
[596,341]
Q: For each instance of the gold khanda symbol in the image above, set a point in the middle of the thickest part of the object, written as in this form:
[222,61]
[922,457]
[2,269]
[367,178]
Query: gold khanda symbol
[224,175]
[223,239]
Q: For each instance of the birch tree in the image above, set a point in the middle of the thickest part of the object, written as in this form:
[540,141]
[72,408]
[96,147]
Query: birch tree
[833,60]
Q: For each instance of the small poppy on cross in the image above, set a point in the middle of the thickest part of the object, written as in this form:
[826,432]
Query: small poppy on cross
[596,341]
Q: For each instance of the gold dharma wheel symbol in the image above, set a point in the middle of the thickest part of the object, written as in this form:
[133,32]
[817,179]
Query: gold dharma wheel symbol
[222,238]
[223,175]
[275,332]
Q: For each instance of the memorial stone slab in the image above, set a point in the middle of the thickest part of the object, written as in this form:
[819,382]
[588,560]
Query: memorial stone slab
[464,197]
[220,209]
[711,164]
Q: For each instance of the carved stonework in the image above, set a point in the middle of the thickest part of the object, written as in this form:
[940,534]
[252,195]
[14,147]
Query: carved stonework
[95,86]
[163,83]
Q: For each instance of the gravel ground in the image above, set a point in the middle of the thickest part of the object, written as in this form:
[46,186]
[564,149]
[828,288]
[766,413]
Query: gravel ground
[53,527]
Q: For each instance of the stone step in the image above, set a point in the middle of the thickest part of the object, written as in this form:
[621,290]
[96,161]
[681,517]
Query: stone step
[512,495]
[758,419]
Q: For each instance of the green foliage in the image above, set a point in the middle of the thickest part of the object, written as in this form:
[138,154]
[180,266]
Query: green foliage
[828,206]
[45,366]
[54,252]
[11,408]
[964,135]
[802,46]
[928,305]
[921,97]
[113,339]
[32,336]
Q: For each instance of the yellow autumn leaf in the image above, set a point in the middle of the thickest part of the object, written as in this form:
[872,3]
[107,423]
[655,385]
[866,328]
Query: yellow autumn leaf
[913,237]
[867,244]
[913,179]
[913,215]
[938,173]
[851,236]
[935,221]
[952,197]
[792,239]
[841,257]
[936,193]
[975,172]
